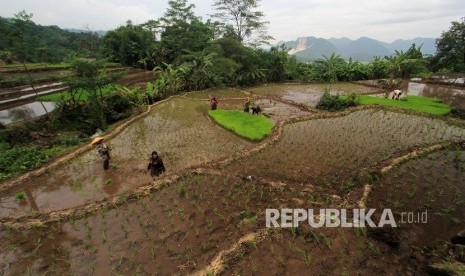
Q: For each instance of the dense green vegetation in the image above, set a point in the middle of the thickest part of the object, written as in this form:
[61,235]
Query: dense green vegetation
[186,53]
[337,102]
[190,53]
[14,160]
[451,49]
[44,43]
[253,127]
[80,95]
[417,103]
[91,102]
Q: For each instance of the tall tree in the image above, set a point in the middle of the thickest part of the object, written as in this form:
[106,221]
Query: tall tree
[128,44]
[23,21]
[404,64]
[183,30]
[451,48]
[87,77]
[241,17]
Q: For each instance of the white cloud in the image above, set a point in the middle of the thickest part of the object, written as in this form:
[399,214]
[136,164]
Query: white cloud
[379,19]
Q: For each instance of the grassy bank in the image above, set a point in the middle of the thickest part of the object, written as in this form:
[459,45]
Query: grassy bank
[252,127]
[416,103]
[81,95]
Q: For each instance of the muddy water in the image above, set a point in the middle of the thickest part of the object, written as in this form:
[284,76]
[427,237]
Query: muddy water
[327,151]
[451,95]
[225,93]
[309,94]
[454,96]
[318,88]
[25,112]
[278,111]
[167,233]
[301,97]
[435,184]
[178,129]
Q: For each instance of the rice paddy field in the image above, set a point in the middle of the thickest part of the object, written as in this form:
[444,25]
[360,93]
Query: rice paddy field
[206,214]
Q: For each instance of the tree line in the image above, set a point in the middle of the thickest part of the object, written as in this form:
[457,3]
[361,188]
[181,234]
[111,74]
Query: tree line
[189,53]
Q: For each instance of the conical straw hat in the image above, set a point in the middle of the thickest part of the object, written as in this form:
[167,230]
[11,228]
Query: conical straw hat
[97,140]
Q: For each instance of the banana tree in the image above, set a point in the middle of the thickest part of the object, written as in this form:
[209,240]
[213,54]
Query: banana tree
[170,79]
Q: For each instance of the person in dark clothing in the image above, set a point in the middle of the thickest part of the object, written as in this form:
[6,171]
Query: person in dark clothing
[213,103]
[256,110]
[155,165]
[103,151]
[247,105]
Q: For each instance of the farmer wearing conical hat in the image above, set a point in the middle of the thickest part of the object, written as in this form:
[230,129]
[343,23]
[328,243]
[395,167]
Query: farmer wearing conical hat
[103,151]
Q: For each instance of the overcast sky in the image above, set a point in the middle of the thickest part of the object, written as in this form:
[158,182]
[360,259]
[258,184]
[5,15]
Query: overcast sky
[385,20]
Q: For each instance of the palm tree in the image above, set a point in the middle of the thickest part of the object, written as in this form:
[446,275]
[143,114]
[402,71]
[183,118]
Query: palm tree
[394,64]
[328,66]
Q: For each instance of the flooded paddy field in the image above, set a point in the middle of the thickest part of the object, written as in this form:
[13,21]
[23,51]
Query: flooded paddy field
[178,129]
[328,152]
[433,184]
[206,215]
[454,96]
[308,94]
[176,230]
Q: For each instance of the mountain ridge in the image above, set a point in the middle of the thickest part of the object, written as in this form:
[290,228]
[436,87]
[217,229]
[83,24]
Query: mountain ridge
[310,48]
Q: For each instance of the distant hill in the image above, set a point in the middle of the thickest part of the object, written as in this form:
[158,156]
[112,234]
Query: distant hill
[311,46]
[45,43]
[428,45]
[362,49]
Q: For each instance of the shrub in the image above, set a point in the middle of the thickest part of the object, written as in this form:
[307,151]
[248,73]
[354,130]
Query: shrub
[337,102]
[69,140]
[117,106]
[20,196]
[14,160]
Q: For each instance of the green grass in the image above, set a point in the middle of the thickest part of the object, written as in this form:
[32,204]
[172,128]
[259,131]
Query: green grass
[82,95]
[18,159]
[253,127]
[33,66]
[417,103]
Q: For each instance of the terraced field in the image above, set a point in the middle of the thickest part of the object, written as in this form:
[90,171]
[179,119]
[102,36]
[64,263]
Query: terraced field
[206,215]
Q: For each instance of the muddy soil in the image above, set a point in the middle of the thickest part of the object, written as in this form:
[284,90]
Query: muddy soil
[278,111]
[433,184]
[174,231]
[179,130]
[323,251]
[327,153]
[196,223]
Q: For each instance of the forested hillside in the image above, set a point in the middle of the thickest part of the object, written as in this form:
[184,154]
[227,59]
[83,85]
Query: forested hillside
[44,43]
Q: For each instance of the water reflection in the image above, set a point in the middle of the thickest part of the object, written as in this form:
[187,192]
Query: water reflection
[25,112]
[451,95]
[449,79]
